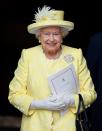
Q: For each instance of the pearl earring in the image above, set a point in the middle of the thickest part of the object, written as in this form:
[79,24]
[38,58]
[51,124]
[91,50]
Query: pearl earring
[61,41]
[39,41]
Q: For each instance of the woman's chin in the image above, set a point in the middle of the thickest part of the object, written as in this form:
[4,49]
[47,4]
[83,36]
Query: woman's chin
[52,51]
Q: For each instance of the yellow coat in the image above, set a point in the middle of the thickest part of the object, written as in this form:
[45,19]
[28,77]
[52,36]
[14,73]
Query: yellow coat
[30,83]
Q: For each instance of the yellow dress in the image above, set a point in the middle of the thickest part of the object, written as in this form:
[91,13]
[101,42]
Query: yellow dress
[30,82]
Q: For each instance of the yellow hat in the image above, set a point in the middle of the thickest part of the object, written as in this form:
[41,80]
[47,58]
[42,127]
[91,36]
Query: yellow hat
[49,17]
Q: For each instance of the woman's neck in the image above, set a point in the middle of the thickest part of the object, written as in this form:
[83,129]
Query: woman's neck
[53,55]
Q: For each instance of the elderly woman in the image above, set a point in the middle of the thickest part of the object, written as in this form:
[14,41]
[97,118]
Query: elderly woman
[29,90]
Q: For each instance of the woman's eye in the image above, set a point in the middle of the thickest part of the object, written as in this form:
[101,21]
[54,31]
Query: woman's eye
[46,34]
[56,34]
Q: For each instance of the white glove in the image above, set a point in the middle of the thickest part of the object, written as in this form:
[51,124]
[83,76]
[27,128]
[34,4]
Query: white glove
[49,104]
[68,100]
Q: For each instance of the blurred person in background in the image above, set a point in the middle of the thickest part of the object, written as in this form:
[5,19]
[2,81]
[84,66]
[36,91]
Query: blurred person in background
[94,61]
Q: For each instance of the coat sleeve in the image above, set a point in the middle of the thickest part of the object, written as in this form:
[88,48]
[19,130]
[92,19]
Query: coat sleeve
[86,86]
[18,95]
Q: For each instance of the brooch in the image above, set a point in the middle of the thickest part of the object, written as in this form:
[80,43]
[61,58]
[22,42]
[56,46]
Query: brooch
[68,58]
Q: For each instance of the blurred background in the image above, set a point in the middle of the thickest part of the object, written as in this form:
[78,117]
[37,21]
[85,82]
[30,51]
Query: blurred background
[15,15]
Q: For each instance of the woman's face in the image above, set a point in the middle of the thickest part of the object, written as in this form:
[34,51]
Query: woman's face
[51,39]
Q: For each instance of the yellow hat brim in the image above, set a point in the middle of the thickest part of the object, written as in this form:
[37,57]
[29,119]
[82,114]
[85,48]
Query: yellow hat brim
[32,28]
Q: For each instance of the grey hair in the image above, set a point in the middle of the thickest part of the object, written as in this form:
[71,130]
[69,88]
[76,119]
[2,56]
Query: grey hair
[37,33]
[63,30]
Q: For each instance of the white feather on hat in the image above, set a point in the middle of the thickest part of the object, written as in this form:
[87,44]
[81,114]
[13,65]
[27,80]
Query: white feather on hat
[45,12]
